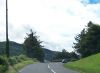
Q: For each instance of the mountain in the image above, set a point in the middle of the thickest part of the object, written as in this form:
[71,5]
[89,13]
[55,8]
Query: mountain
[49,54]
[17,49]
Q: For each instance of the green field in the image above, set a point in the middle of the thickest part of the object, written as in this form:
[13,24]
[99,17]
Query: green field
[90,64]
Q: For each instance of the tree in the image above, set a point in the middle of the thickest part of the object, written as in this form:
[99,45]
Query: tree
[73,55]
[33,47]
[65,54]
[80,44]
[88,41]
[62,55]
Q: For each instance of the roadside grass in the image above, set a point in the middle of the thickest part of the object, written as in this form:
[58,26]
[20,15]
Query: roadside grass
[90,64]
[21,62]
[17,67]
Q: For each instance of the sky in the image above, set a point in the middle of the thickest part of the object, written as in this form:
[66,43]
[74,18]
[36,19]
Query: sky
[57,22]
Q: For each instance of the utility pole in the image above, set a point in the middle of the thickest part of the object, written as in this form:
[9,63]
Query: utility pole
[7,40]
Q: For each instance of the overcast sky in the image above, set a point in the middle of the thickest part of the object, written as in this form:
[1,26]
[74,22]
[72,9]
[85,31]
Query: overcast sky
[57,22]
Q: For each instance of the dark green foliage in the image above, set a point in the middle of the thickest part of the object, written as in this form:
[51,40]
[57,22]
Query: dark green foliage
[15,48]
[22,57]
[3,60]
[39,54]
[17,59]
[57,56]
[65,54]
[33,47]
[3,64]
[13,60]
[32,40]
[74,56]
[88,41]
[49,54]
[62,55]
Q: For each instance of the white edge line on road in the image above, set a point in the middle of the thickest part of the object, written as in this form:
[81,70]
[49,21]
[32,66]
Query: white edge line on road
[51,69]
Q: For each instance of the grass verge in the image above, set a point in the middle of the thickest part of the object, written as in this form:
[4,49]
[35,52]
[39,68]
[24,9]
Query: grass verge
[18,62]
[17,67]
[87,65]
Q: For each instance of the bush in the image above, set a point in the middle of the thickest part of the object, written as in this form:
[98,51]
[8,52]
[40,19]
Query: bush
[17,59]
[3,60]
[13,60]
[35,60]
[3,68]
[23,57]
[3,64]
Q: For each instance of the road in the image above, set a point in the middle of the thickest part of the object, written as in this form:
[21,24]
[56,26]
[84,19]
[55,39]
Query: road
[46,68]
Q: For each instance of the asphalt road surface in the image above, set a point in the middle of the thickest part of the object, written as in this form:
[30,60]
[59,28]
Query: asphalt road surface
[46,68]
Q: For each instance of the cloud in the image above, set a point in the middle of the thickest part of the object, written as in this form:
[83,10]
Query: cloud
[57,22]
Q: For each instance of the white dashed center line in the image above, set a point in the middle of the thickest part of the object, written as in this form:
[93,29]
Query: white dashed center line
[51,69]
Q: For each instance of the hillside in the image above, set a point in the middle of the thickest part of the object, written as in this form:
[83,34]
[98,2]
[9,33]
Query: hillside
[17,49]
[90,64]
[49,54]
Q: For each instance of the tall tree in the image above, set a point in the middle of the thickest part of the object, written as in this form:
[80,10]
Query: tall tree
[62,55]
[74,56]
[65,54]
[33,47]
[88,41]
